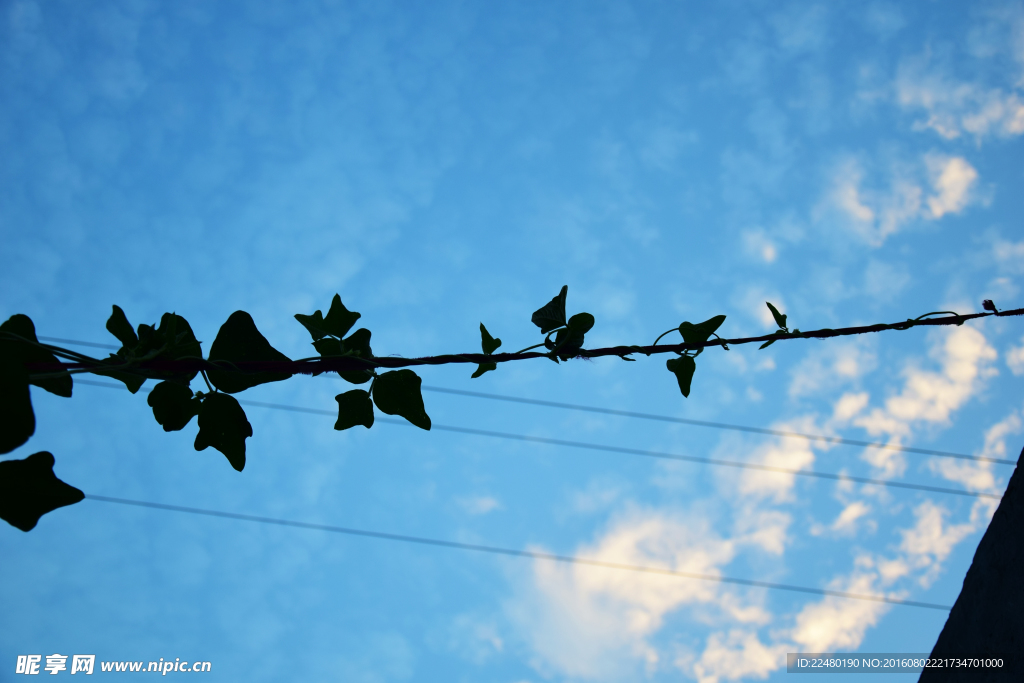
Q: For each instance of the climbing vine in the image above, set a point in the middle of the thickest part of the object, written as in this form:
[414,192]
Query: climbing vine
[240,358]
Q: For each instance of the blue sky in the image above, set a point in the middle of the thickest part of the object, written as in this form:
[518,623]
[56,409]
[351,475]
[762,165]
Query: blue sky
[444,164]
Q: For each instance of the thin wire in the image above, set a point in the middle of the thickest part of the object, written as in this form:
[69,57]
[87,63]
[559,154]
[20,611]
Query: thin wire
[620,449]
[511,552]
[663,418]
[719,425]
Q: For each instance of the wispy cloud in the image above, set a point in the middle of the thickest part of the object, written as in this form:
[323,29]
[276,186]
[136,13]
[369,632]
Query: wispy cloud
[736,655]
[479,505]
[953,108]
[928,396]
[877,214]
[836,624]
[592,623]
[1015,358]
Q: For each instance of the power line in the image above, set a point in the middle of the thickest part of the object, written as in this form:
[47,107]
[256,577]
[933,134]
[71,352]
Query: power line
[620,449]
[511,552]
[719,425]
[661,418]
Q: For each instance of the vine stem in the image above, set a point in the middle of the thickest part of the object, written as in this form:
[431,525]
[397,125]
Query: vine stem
[320,365]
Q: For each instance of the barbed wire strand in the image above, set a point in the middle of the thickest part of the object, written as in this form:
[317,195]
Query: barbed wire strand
[620,449]
[512,552]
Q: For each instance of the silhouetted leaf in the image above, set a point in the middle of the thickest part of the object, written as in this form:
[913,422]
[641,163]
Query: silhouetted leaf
[173,405]
[581,322]
[683,368]
[338,322]
[22,326]
[776,333]
[568,343]
[780,319]
[700,333]
[328,346]
[223,425]
[339,319]
[132,381]
[29,489]
[238,340]
[482,368]
[359,342]
[314,324]
[17,421]
[354,408]
[175,339]
[552,315]
[118,325]
[489,343]
[398,393]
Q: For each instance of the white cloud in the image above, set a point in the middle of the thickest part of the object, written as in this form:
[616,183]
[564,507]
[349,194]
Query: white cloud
[825,367]
[930,541]
[978,476]
[1015,359]
[1009,255]
[838,623]
[875,215]
[784,453]
[929,396]
[737,655]
[593,623]
[765,528]
[953,108]
[952,178]
[758,245]
[847,520]
[850,405]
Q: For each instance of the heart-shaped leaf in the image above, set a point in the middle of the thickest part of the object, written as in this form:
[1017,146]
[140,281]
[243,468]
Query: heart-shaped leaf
[238,341]
[118,325]
[489,343]
[22,326]
[780,319]
[581,322]
[173,405]
[398,393]
[482,368]
[175,339]
[683,368]
[354,408]
[359,343]
[17,421]
[223,425]
[552,315]
[700,333]
[29,489]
